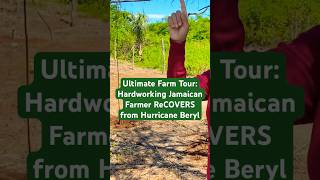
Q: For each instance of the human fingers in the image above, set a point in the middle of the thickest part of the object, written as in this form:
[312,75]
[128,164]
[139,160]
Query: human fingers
[174,20]
[183,8]
[170,22]
[179,18]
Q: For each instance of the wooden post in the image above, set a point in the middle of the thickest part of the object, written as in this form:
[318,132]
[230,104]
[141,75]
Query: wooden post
[13,32]
[163,56]
[118,73]
[73,9]
[133,57]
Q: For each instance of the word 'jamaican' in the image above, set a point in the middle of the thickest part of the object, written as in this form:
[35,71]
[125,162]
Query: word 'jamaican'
[253,104]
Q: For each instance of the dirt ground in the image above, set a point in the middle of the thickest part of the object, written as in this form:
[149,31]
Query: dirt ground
[144,150]
[155,149]
[171,149]
[87,34]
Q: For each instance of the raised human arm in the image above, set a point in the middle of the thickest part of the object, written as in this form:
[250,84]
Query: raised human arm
[178,29]
[227,31]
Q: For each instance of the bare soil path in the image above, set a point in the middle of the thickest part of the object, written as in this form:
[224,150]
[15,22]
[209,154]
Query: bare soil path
[155,149]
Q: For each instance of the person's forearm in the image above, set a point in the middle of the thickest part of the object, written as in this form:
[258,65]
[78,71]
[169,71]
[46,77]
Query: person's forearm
[176,60]
[178,29]
[227,32]
[226,10]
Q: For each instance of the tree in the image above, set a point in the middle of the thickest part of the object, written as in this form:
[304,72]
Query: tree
[120,31]
[138,23]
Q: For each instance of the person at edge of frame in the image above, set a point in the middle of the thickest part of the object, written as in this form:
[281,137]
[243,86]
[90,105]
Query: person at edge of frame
[227,35]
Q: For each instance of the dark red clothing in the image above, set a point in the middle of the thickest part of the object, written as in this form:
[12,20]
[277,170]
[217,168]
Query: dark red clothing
[302,67]
[176,69]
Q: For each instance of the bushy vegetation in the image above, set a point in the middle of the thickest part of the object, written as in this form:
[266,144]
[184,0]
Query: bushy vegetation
[124,39]
[267,22]
[93,8]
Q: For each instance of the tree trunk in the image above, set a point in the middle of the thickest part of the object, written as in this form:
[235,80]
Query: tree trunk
[140,51]
[103,2]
